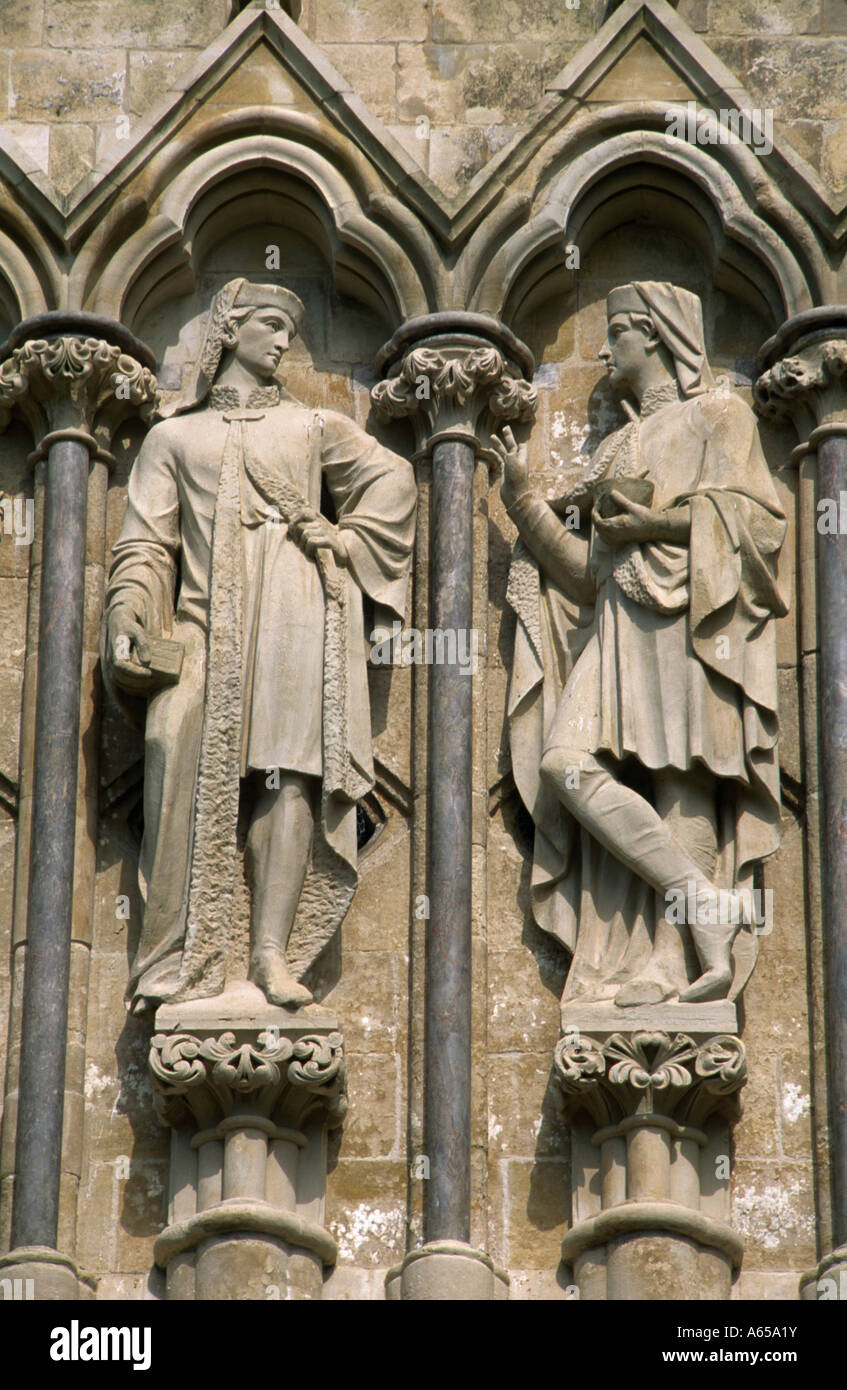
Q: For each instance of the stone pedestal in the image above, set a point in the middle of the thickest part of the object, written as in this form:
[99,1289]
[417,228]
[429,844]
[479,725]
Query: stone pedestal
[651,1110]
[250,1091]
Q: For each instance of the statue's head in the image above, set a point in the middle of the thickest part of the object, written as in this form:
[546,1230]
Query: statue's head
[253,323]
[649,320]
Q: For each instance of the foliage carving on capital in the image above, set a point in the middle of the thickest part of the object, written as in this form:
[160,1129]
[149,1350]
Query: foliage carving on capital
[280,1077]
[453,385]
[672,1074]
[84,383]
[794,381]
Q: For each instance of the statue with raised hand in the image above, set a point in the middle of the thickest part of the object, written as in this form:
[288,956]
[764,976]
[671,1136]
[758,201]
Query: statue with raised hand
[642,703]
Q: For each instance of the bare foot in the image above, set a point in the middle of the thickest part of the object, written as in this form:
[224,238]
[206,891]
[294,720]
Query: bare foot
[643,991]
[279,986]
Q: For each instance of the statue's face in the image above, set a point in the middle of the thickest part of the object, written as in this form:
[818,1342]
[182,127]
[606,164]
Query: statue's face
[262,339]
[624,354]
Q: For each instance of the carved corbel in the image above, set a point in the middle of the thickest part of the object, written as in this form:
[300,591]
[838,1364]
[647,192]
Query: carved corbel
[651,1165]
[249,1114]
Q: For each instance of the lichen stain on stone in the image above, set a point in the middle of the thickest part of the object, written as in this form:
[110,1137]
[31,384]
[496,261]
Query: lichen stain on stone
[795,1104]
[95,1082]
[366,1224]
[768,1217]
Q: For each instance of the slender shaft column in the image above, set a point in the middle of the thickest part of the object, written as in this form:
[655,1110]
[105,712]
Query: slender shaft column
[804,373]
[448,977]
[73,391]
[452,374]
[832,590]
[45,1009]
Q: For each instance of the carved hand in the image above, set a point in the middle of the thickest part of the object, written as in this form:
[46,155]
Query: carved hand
[637,523]
[127,638]
[515,466]
[312,532]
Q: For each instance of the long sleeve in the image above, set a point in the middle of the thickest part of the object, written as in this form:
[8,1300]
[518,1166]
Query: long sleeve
[562,554]
[375,498]
[144,565]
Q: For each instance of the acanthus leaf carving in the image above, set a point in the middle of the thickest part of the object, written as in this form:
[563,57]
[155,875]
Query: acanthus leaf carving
[277,1075]
[98,380]
[674,1074]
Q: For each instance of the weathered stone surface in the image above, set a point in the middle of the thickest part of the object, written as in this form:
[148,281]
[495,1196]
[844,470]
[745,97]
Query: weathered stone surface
[472,21]
[366,1211]
[765,17]
[372,22]
[71,155]
[21,25]
[804,75]
[83,23]
[68,86]
[835,156]
[368,67]
[773,1209]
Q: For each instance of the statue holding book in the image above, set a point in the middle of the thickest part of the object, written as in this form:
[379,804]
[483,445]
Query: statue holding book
[235,606]
[642,704]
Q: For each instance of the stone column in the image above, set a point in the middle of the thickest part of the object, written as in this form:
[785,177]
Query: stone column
[249,1109]
[74,378]
[650,1116]
[804,374]
[454,375]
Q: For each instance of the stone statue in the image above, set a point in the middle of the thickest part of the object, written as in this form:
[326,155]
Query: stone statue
[238,607]
[642,704]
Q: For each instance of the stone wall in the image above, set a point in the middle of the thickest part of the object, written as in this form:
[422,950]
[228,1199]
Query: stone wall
[77,75]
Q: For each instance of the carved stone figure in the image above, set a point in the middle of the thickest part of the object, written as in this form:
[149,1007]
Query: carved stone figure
[642,707]
[225,552]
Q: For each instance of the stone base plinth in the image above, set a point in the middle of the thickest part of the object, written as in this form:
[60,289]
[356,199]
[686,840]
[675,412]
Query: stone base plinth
[698,1020]
[40,1273]
[446,1270]
[827,1283]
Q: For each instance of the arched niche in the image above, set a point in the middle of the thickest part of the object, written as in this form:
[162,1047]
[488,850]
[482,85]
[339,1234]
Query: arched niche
[599,175]
[29,281]
[330,361]
[641,232]
[151,248]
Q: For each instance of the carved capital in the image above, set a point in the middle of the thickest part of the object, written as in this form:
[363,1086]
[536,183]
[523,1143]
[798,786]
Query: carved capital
[805,373]
[286,1080]
[651,1073]
[452,374]
[75,383]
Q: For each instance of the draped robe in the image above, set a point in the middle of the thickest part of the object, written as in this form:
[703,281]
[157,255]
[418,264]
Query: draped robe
[672,666]
[286,685]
